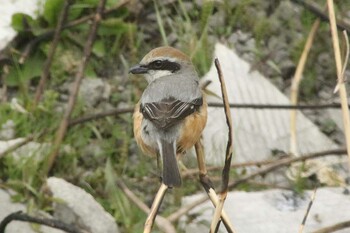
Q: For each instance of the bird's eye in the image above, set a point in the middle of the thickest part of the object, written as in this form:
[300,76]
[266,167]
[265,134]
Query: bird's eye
[157,64]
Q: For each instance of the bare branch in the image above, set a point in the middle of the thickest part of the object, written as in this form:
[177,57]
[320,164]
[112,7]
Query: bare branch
[73,96]
[333,228]
[48,62]
[314,8]
[307,211]
[163,223]
[19,216]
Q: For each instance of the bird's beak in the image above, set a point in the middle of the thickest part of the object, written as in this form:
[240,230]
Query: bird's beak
[138,69]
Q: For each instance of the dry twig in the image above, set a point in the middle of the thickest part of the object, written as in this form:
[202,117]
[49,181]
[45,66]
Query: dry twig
[48,62]
[72,98]
[314,8]
[295,86]
[19,216]
[154,208]
[333,228]
[307,211]
[342,87]
[229,149]
[163,223]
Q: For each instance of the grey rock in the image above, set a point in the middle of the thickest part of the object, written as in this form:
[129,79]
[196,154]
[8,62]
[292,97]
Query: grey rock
[7,131]
[80,208]
[94,90]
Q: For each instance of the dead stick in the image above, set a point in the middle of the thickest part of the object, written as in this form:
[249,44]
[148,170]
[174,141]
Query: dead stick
[19,216]
[314,8]
[333,228]
[154,208]
[163,223]
[307,211]
[73,96]
[99,115]
[208,186]
[295,86]
[48,62]
[229,149]
[339,68]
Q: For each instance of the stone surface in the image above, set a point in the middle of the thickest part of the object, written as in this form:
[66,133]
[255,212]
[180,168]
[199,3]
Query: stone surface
[7,9]
[80,208]
[256,131]
[274,211]
[8,207]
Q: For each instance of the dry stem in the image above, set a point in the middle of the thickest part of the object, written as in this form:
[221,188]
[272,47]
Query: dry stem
[163,223]
[307,211]
[295,86]
[229,149]
[48,62]
[342,88]
[73,96]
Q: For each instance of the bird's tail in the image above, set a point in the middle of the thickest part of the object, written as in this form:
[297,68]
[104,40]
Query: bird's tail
[171,174]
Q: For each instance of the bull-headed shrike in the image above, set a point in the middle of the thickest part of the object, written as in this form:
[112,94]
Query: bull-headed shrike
[172,112]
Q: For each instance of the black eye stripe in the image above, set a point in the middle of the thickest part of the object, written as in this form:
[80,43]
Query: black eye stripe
[164,65]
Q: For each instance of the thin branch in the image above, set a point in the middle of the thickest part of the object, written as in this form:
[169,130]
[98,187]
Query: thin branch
[279,106]
[162,223]
[96,116]
[339,68]
[113,112]
[155,208]
[284,162]
[295,86]
[73,96]
[229,149]
[333,228]
[315,9]
[48,62]
[307,211]
[208,186]
[346,59]
[19,216]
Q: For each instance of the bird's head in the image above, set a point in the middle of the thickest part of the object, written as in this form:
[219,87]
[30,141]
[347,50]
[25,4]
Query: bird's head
[161,62]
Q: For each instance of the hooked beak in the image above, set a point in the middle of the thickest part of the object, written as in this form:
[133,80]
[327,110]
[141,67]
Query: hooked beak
[138,69]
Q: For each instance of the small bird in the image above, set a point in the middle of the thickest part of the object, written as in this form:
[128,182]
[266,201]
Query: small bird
[172,112]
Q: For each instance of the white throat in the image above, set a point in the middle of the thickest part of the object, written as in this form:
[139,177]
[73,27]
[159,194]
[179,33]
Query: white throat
[155,74]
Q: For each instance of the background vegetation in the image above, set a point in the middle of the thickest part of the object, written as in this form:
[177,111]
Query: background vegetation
[96,153]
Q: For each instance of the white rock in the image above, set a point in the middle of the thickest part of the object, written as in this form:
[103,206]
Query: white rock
[10,7]
[256,131]
[80,208]
[8,207]
[274,211]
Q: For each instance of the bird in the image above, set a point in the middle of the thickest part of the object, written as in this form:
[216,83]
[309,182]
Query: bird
[172,111]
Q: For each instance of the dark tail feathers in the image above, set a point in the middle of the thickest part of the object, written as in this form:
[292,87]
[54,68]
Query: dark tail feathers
[171,174]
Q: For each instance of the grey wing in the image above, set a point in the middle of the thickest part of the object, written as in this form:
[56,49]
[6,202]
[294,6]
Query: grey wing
[169,112]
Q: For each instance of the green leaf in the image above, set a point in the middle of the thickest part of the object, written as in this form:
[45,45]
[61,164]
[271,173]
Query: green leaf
[29,70]
[99,48]
[52,9]
[113,26]
[19,21]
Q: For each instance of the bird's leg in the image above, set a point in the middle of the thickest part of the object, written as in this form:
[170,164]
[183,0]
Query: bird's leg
[154,208]
[208,186]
